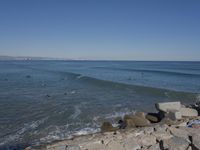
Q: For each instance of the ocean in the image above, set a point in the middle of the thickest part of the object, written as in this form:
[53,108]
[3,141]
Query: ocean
[44,101]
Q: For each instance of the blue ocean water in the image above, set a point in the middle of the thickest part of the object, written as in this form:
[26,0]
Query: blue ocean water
[43,101]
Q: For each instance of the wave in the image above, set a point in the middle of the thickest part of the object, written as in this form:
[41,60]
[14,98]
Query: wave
[151,71]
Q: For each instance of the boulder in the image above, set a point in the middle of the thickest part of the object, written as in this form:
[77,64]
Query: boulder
[140,114]
[107,127]
[173,115]
[138,121]
[168,106]
[188,112]
[129,123]
[196,141]
[179,132]
[175,143]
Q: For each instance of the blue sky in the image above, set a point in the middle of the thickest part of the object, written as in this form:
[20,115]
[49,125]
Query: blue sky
[101,29]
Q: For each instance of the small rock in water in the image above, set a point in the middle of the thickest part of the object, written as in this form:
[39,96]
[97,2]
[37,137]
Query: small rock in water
[129,123]
[140,122]
[48,95]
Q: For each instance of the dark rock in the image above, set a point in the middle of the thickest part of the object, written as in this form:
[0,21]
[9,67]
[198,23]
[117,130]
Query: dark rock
[153,117]
[122,124]
[107,127]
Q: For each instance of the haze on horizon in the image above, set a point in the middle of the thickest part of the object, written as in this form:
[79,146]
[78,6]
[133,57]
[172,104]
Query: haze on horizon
[101,29]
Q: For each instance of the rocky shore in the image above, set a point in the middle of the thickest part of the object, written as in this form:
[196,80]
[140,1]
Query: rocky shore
[174,127]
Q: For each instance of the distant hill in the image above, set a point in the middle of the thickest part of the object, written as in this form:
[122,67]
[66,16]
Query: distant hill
[28,58]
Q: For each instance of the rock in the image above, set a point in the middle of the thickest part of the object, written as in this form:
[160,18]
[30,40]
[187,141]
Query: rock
[155,147]
[152,117]
[129,123]
[168,106]
[162,135]
[131,144]
[148,130]
[115,145]
[168,121]
[138,121]
[72,147]
[179,133]
[146,140]
[188,112]
[173,115]
[107,127]
[196,141]
[175,143]
[122,124]
[97,145]
[140,114]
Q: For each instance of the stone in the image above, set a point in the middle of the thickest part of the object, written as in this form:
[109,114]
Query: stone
[173,115]
[129,123]
[131,144]
[146,140]
[107,127]
[98,145]
[148,130]
[196,141]
[168,106]
[152,117]
[140,114]
[188,112]
[168,121]
[162,135]
[138,121]
[72,147]
[115,145]
[175,143]
[179,133]
[154,147]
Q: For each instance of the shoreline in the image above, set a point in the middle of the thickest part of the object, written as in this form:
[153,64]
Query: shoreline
[171,132]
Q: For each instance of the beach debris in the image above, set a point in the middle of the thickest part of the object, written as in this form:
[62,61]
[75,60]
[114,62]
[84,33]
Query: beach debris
[194,124]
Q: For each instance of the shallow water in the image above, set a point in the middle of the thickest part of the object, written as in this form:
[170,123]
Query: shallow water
[42,101]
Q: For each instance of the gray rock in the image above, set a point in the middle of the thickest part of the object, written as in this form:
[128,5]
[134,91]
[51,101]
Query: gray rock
[72,147]
[154,147]
[146,140]
[196,141]
[140,122]
[168,106]
[179,132]
[162,135]
[175,143]
[173,115]
[188,112]
[115,145]
[131,144]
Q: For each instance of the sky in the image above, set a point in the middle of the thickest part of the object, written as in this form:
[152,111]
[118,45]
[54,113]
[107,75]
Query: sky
[101,29]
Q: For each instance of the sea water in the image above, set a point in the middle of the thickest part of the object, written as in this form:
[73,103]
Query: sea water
[43,101]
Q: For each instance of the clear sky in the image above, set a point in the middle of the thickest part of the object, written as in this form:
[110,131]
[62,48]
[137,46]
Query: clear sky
[101,29]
